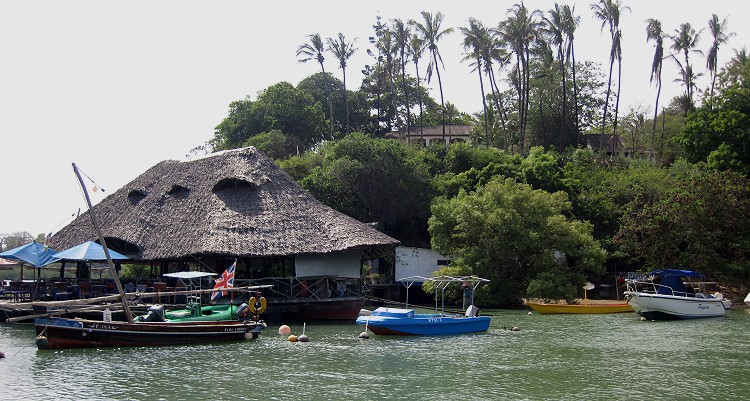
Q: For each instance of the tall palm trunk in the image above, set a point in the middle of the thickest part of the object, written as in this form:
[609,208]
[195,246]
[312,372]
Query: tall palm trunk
[328,96]
[406,98]
[484,103]
[442,100]
[606,99]
[564,127]
[656,111]
[419,96]
[346,102]
[575,97]
[617,107]
[499,105]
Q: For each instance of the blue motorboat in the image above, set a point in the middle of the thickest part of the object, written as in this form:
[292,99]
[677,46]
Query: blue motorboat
[405,322]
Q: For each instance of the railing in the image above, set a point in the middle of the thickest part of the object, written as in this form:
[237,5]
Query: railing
[315,288]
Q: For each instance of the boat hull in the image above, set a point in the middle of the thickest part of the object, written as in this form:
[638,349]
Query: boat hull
[404,322]
[580,309]
[660,307]
[60,333]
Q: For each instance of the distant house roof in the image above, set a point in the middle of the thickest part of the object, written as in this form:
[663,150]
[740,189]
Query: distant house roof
[603,143]
[235,203]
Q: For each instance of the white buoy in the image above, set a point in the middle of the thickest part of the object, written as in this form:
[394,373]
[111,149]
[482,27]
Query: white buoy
[365,335]
[284,330]
[529,313]
[303,337]
[515,328]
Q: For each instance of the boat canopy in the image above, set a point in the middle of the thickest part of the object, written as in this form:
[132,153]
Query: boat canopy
[675,272]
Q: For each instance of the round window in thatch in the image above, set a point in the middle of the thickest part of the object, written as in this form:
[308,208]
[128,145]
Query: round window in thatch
[178,191]
[136,196]
[231,183]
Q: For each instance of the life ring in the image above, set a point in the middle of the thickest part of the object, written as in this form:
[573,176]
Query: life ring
[257,305]
[260,305]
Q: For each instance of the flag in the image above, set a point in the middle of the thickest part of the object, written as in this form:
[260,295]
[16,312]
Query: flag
[47,240]
[225,281]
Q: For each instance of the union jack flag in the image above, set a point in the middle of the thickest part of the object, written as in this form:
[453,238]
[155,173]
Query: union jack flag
[225,281]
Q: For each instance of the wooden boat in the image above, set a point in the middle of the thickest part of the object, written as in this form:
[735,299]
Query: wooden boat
[544,309]
[404,322]
[63,333]
[57,333]
[674,294]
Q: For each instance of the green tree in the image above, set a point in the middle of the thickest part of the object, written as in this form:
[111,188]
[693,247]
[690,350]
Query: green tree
[510,233]
[314,51]
[701,223]
[375,180]
[722,126]
[279,107]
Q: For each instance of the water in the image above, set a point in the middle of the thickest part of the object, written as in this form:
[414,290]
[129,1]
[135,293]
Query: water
[552,357]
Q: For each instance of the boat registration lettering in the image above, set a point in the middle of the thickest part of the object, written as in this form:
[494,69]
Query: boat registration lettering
[58,323]
[435,319]
[703,307]
[100,326]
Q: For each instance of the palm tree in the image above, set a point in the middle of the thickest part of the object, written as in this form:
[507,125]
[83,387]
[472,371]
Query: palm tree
[554,27]
[430,32]
[720,37]
[493,52]
[343,51]
[518,31]
[608,11]
[314,50]
[655,33]
[416,48]
[685,40]
[570,22]
[474,37]
[402,35]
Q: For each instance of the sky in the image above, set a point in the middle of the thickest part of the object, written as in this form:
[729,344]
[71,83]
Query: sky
[119,86]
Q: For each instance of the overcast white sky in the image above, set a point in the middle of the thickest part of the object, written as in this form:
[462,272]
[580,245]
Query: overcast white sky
[118,86]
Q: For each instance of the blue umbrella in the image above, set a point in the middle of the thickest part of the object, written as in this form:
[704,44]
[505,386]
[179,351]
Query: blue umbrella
[88,251]
[32,253]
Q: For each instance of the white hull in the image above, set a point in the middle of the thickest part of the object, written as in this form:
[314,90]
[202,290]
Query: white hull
[657,306]
[747,299]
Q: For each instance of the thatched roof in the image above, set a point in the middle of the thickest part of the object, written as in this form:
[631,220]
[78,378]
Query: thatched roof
[234,203]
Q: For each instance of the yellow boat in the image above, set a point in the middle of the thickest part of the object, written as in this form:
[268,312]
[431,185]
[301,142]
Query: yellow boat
[581,308]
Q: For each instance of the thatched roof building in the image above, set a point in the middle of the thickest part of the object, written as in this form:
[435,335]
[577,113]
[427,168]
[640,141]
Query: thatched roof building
[235,203]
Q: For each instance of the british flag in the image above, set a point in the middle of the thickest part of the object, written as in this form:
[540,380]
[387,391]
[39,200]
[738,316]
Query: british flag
[225,281]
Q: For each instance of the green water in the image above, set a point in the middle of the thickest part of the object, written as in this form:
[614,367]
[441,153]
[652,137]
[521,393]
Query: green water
[552,357]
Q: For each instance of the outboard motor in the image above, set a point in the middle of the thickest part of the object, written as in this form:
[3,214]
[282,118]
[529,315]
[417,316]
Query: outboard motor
[242,310]
[155,314]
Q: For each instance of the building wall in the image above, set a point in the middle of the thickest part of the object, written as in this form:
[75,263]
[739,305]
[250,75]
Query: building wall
[340,264]
[423,262]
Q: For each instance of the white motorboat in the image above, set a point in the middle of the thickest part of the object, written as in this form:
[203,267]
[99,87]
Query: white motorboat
[674,294]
